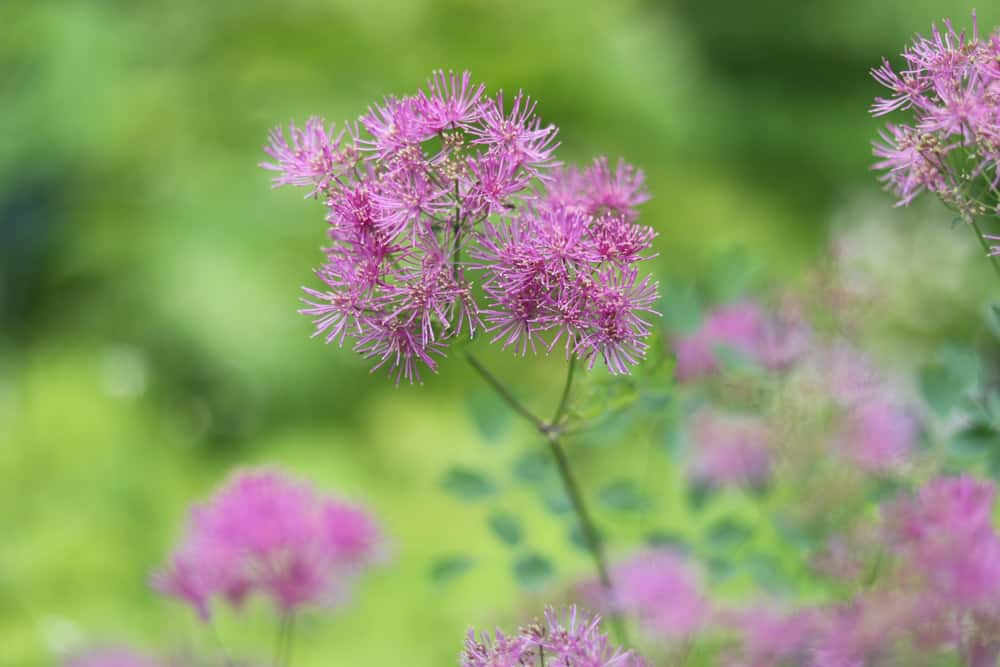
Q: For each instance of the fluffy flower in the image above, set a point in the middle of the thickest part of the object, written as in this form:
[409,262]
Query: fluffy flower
[568,639]
[950,87]
[264,533]
[434,192]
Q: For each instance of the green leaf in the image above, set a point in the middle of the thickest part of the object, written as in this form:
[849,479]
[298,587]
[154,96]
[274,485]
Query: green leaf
[667,540]
[623,496]
[699,494]
[974,441]
[940,388]
[557,502]
[729,533]
[467,484]
[578,539]
[490,416]
[446,568]
[533,571]
[963,363]
[720,568]
[768,574]
[506,527]
[532,467]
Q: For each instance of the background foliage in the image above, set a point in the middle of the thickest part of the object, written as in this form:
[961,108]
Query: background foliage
[149,277]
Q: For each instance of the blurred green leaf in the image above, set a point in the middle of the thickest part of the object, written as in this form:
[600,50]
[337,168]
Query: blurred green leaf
[557,502]
[768,574]
[506,527]
[975,441]
[467,484]
[489,414]
[446,568]
[962,362]
[533,571]
[699,494]
[532,467]
[728,534]
[944,384]
[719,568]
[667,540]
[940,388]
[623,495]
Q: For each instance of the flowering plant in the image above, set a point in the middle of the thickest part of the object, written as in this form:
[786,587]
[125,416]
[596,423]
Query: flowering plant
[428,193]
[950,85]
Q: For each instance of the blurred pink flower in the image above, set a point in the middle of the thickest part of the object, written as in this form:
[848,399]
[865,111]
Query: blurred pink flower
[878,435]
[743,326]
[771,637]
[113,657]
[660,589]
[266,533]
[945,535]
[729,450]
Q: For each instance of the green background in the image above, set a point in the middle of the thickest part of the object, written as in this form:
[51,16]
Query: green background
[149,277]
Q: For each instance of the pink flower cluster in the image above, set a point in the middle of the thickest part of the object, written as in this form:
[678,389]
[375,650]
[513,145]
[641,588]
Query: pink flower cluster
[742,327]
[265,533]
[938,589]
[435,189]
[950,84]
[570,639]
[658,588]
[873,429]
[729,450]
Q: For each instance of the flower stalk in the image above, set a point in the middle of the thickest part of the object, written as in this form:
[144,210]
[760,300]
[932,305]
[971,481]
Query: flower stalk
[552,432]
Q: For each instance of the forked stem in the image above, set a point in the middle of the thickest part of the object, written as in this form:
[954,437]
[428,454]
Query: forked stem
[551,431]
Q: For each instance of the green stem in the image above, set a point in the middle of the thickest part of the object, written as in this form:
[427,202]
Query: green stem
[986,246]
[551,432]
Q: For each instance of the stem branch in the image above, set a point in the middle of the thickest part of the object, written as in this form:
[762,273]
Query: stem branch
[551,432]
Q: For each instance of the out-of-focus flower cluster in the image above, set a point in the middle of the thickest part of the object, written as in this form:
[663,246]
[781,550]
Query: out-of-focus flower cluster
[950,85]
[569,639]
[265,533]
[931,588]
[431,192]
[805,378]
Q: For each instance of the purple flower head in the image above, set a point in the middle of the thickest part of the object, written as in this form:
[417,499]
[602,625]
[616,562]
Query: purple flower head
[450,101]
[729,450]
[264,533]
[619,191]
[447,212]
[948,87]
[571,638]
[309,157]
